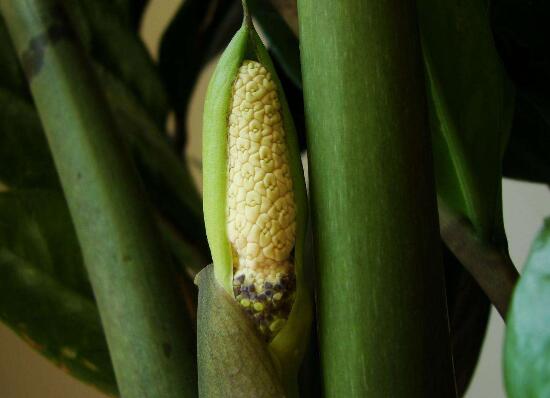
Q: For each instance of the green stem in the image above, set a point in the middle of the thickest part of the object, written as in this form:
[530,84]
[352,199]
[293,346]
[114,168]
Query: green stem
[246,13]
[383,325]
[150,346]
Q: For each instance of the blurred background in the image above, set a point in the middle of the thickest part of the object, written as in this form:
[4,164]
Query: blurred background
[25,374]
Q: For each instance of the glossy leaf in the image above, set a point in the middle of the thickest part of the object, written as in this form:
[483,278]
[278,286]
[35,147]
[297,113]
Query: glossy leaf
[167,179]
[131,10]
[521,30]
[470,104]
[117,48]
[25,159]
[186,47]
[123,254]
[526,156]
[527,346]
[35,228]
[42,270]
[281,40]
[470,101]
[469,311]
[11,75]
[24,153]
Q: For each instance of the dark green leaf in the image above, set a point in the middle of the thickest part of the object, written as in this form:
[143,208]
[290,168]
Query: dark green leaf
[113,44]
[282,42]
[526,157]
[25,160]
[131,10]
[521,31]
[527,347]
[468,317]
[45,295]
[126,261]
[119,49]
[186,47]
[470,101]
[295,99]
[233,359]
[11,76]
[167,179]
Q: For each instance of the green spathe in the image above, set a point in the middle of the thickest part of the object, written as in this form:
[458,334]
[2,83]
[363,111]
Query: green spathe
[289,344]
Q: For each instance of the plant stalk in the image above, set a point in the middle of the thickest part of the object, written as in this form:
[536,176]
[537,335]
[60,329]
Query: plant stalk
[492,268]
[150,346]
[383,324]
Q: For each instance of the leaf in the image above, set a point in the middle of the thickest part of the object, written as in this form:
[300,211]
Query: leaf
[118,48]
[124,255]
[41,268]
[167,178]
[295,99]
[25,160]
[470,104]
[282,41]
[526,156]
[25,156]
[131,10]
[527,345]
[186,47]
[233,360]
[11,76]
[468,317]
[521,30]
[470,101]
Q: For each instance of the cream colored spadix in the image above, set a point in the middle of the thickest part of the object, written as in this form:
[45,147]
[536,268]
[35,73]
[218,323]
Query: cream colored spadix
[254,197]
[261,218]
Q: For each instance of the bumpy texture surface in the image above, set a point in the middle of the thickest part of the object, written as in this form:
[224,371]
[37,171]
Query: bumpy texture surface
[260,201]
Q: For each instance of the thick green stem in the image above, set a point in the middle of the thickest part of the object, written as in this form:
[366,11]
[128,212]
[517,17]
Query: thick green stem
[150,347]
[383,323]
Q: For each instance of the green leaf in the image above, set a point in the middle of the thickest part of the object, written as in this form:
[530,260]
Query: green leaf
[11,75]
[470,101]
[233,359]
[521,30]
[35,226]
[42,270]
[527,346]
[25,159]
[188,43]
[469,310]
[118,48]
[526,156]
[167,179]
[131,10]
[123,254]
[282,42]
